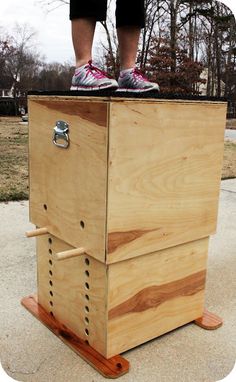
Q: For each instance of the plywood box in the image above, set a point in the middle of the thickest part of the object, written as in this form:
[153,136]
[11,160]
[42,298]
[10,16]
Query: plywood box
[115,307]
[138,176]
[125,198]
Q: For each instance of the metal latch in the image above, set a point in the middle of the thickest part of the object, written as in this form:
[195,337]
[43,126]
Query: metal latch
[61,134]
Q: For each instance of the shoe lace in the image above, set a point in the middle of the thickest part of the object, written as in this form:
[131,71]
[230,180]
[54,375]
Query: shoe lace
[95,72]
[139,75]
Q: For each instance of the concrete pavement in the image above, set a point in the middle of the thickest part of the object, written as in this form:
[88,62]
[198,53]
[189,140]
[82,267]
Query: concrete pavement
[30,352]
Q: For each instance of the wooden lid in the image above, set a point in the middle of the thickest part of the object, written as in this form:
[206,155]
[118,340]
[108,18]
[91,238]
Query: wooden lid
[113,95]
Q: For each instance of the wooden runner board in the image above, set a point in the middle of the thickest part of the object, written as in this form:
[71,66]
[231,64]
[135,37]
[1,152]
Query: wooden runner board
[209,321]
[113,367]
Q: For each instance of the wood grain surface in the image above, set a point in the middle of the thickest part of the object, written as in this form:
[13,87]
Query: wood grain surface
[164,174]
[68,186]
[137,190]
[73,290]
[118,306]
[152,294]
[139,175]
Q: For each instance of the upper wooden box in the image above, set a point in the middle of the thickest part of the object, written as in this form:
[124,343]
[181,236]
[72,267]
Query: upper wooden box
[139,175]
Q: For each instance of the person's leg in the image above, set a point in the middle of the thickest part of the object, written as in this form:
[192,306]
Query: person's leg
[83,16]
[82,37]
[130,19]
[128,37]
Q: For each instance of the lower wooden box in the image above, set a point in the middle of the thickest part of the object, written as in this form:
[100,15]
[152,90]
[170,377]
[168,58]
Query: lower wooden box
[119,306]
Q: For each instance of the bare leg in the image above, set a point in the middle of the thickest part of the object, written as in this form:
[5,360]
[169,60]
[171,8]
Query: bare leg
[128,37]
[82,37]
[131,80]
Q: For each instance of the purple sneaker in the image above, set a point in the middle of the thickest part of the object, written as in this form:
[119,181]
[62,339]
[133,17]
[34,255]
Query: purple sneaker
[89,77]
[134,81]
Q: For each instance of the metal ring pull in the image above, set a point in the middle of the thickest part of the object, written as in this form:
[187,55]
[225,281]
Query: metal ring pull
[61,133]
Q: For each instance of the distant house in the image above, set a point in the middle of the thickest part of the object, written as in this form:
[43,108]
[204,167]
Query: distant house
[10,105]
[12,92]
[6,93]
[202,88]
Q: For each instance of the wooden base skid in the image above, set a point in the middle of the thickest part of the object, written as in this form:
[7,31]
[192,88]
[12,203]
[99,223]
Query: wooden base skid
[209,321]
[110,368]
[113,367]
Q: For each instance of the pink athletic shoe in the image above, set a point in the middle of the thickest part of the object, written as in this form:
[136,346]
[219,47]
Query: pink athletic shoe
[89,77]
[134,81]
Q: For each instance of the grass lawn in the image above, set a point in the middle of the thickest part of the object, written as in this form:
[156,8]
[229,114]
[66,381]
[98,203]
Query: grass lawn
[14,159]
[229,165]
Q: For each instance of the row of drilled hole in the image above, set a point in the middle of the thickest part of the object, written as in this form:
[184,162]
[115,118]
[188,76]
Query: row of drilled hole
[51,274]
[87,287]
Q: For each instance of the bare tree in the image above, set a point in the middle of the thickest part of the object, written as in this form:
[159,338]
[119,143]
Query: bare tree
[6,50]
[54,76]
[51,5]
[154,11]
[23,61]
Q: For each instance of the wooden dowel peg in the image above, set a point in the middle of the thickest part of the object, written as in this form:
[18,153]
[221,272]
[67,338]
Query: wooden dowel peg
[68,254]
[37,232]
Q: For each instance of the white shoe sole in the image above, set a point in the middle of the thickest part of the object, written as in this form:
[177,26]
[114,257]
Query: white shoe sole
[95,88]
[156,88]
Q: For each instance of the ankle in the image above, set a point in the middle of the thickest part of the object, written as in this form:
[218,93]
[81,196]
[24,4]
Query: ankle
[81,62]
[126,70]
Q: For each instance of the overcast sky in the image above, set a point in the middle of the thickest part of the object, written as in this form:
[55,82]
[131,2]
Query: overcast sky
[53,28]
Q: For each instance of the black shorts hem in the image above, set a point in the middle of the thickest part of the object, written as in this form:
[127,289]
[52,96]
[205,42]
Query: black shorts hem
[130,24]
[87,16]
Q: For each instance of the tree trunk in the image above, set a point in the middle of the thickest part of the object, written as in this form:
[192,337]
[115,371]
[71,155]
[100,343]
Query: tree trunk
[191,31]
[113,60]
[173,33]
[217,53]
